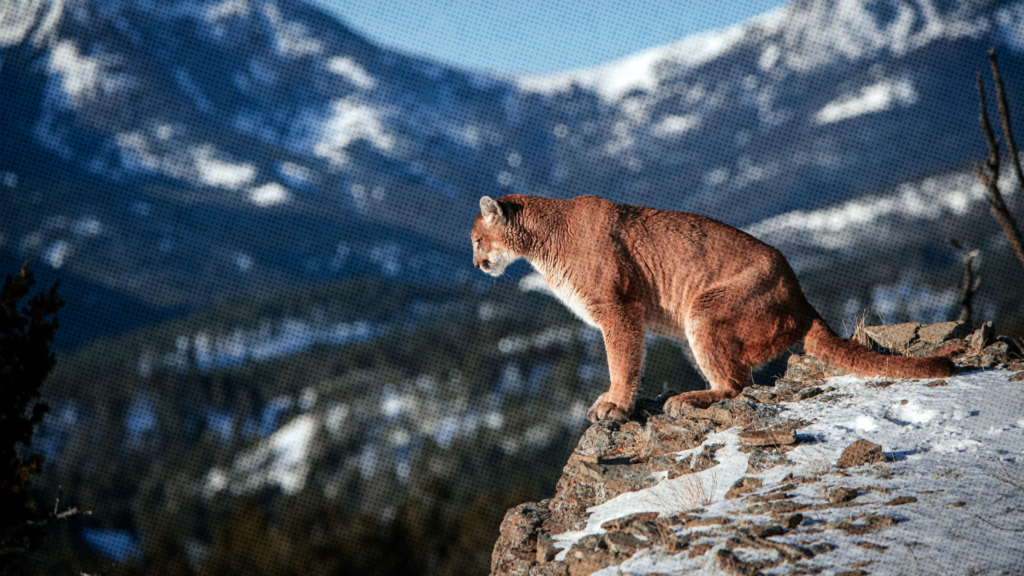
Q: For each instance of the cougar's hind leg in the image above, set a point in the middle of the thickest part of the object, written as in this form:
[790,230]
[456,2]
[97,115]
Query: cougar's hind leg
[729,336]
[718,356]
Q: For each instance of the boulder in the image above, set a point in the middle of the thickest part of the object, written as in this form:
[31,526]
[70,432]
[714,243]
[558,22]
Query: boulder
[859,453]
[939,333]
[895,337]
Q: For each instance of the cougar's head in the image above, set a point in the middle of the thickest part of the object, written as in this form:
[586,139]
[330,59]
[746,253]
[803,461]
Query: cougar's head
[490,253]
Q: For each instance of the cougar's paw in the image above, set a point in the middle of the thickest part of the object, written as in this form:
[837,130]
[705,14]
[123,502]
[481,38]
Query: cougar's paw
[607,411]
[676,405]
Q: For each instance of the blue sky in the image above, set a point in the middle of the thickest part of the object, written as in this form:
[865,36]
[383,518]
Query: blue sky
[535,36]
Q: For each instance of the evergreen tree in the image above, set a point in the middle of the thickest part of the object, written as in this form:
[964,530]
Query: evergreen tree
[26,333]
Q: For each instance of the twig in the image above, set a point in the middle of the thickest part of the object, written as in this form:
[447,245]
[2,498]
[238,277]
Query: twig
[991,179]
[1004,116]
[10,544]
[969,284]
[998,526]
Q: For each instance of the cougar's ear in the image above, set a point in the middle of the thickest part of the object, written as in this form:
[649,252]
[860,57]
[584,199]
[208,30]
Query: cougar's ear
[492,211]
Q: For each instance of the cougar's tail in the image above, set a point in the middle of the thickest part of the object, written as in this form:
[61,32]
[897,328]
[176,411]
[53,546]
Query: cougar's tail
[825,345]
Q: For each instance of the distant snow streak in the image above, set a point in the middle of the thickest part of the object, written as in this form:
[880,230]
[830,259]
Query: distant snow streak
[19,18]
[80,74]
[227,9]
[291,39]
[640,71]
[351,120]
[213,171]
[877,97]
[351,71]
[269,194]
[842,226]
[672,126]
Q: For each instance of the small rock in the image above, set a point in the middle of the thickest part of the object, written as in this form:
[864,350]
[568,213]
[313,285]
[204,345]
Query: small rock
[514,551]
[859,453]
[552,569]
[731,564]
[546,550]
[952,349]
[765,458]
[822,548]
[767,437]
[784,487]
[981,337]
[760,394]
[969,361]
[709,521]
[651,530]
[743,486]
[842,495]
[804,367]
[939,333]
[995,354]
[895,337]
[866,525]
[626,521]
[872,546]
[901,501]
[591,543]
[623,543]
[920,349]
[589,555]
[809,393]
[780,508]
[936,383]
[793,521]
[1018,377]
[699,549]
[773,497]
[766,530]
[716,414]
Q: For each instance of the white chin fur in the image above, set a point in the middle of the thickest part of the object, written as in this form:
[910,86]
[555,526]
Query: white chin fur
[499,264]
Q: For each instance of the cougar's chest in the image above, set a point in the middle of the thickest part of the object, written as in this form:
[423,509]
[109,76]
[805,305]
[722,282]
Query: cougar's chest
[567,293]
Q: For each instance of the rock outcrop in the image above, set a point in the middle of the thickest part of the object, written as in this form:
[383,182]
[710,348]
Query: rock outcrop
[556,536]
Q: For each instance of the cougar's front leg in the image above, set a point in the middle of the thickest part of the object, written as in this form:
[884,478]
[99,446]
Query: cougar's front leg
[623,329]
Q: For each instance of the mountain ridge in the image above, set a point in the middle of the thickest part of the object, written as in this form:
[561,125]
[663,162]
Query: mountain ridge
[194,133]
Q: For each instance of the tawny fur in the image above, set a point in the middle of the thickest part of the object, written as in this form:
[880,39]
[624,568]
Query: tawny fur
[629,270]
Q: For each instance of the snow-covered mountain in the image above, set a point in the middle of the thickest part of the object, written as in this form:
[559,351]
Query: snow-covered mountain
[178,151]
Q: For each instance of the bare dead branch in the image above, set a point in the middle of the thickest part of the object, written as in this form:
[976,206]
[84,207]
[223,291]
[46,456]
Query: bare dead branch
[969,284]
[15,543]
[1004,116]
[998,526]
[991,180]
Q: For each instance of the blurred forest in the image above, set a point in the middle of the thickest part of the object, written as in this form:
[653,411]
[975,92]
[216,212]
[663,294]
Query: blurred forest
[362,424]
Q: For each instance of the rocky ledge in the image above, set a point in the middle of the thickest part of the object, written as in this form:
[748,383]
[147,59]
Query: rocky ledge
[821,473]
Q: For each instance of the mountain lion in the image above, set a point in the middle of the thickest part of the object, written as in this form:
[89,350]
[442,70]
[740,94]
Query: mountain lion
[628,270]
